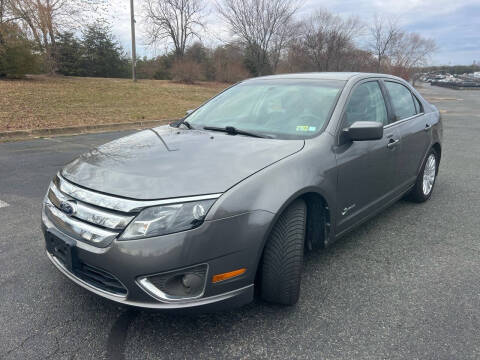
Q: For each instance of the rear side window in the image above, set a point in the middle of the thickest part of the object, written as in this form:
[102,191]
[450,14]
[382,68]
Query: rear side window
[418,106]
[402,100]
[366,104]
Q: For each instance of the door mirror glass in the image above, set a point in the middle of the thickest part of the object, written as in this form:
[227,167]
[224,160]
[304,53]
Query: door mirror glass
[364,130]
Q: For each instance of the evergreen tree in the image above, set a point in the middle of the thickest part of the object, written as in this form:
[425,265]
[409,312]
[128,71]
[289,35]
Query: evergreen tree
[256,60]
[16,52]
[69,55]
[102,55]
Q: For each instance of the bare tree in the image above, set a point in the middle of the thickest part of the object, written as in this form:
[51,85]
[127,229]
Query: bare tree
[262,25]
[286,34]
[174,20]
[5,13]
[384,35]
[327,37]
[38,17]
[410,52]
[43,19]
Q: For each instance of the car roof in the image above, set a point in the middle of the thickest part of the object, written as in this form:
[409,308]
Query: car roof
[341,76]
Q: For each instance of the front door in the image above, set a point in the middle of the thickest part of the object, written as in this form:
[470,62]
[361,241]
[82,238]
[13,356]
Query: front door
[366,169]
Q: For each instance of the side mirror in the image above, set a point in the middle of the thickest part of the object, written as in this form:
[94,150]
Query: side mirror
[188,112]
[364,130]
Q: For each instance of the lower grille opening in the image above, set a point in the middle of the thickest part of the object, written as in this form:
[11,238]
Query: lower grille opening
[99,279]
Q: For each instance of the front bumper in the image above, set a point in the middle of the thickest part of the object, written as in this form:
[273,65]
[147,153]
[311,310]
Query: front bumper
[224,245]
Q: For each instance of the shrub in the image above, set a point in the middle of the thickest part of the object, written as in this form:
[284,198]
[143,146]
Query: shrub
[228,63]
[186,71]
[230,72]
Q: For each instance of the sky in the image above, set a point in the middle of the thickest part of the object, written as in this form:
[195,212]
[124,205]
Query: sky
[453,24]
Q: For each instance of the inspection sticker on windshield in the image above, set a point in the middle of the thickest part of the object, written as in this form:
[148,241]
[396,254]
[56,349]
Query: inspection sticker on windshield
[306,128]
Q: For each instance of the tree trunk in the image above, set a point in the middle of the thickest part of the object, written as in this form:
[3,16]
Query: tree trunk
[2,10]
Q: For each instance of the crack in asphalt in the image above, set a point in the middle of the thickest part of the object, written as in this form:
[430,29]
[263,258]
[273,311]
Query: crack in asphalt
[118,335]
[18,347]
[42,330]
[57,349]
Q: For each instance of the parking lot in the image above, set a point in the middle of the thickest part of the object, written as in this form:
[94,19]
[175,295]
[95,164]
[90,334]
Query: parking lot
[404,285]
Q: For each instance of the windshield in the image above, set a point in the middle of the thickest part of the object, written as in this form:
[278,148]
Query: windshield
[288,109]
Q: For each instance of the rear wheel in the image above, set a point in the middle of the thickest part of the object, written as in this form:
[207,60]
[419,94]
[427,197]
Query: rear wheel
[423,187]
[281,267]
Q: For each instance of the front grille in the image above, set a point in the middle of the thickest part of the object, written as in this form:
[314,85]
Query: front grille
[99,279]
[86,221]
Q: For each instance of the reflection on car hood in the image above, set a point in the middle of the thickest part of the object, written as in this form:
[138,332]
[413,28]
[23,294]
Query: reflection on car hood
[167,162]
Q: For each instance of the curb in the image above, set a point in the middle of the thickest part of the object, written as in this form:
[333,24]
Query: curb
[75,130]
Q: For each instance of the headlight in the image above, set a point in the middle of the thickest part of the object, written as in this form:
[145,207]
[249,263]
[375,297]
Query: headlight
[167,219]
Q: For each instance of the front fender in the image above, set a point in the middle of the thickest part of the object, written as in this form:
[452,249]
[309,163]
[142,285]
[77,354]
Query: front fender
[313,169]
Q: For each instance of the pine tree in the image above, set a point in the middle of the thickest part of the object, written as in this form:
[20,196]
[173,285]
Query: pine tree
[16,52]
[102,55]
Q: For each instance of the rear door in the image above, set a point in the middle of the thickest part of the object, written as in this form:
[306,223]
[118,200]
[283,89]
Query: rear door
[413,129]
[366,169]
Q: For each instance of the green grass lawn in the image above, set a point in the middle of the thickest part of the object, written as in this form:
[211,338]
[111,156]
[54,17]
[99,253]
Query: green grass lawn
[50,102]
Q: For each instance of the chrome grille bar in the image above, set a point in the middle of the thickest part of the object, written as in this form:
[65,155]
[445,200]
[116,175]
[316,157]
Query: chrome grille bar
[76,228]
[91,214]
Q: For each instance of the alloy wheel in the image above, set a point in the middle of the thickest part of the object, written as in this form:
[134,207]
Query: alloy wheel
[429,174]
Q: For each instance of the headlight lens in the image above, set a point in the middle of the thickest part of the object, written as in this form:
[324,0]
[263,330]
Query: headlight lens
[167,219]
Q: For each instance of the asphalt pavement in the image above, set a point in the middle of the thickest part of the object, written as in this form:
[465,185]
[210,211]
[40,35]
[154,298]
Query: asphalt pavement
[405,285]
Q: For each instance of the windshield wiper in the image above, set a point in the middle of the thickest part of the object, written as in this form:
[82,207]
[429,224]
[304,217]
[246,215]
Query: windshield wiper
[234,131]
[181,122]
[186,123]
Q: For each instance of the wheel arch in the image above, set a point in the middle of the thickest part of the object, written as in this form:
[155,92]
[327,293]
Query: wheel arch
[316,202]
[438,149]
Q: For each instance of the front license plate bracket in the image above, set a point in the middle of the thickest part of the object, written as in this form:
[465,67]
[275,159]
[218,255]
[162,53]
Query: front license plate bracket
[63,250]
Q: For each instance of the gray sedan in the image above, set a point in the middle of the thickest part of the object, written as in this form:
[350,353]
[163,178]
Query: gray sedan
[201,212]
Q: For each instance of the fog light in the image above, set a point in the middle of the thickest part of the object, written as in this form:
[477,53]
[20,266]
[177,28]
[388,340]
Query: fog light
[176,285]
[192,282]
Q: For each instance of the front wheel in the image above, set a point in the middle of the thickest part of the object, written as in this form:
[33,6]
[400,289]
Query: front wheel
[423,187]
[281,267]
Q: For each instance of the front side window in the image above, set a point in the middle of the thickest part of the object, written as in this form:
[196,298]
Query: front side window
[281,108]
[366,104]
[402,100]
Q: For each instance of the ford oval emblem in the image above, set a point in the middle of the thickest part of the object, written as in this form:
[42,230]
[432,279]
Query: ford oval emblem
[68,207]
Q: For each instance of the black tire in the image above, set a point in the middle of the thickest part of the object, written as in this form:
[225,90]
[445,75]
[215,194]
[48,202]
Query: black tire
[417,194]
[282,263]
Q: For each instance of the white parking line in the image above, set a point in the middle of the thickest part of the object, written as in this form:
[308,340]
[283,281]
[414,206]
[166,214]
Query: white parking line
[3,204]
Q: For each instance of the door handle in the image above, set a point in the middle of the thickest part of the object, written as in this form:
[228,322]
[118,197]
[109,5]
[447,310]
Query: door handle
[427,127]
[392,143]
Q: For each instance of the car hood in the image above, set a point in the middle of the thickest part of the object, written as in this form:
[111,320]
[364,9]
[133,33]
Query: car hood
[167,162]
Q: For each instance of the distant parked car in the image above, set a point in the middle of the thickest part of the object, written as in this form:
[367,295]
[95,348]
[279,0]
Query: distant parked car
[199,212]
